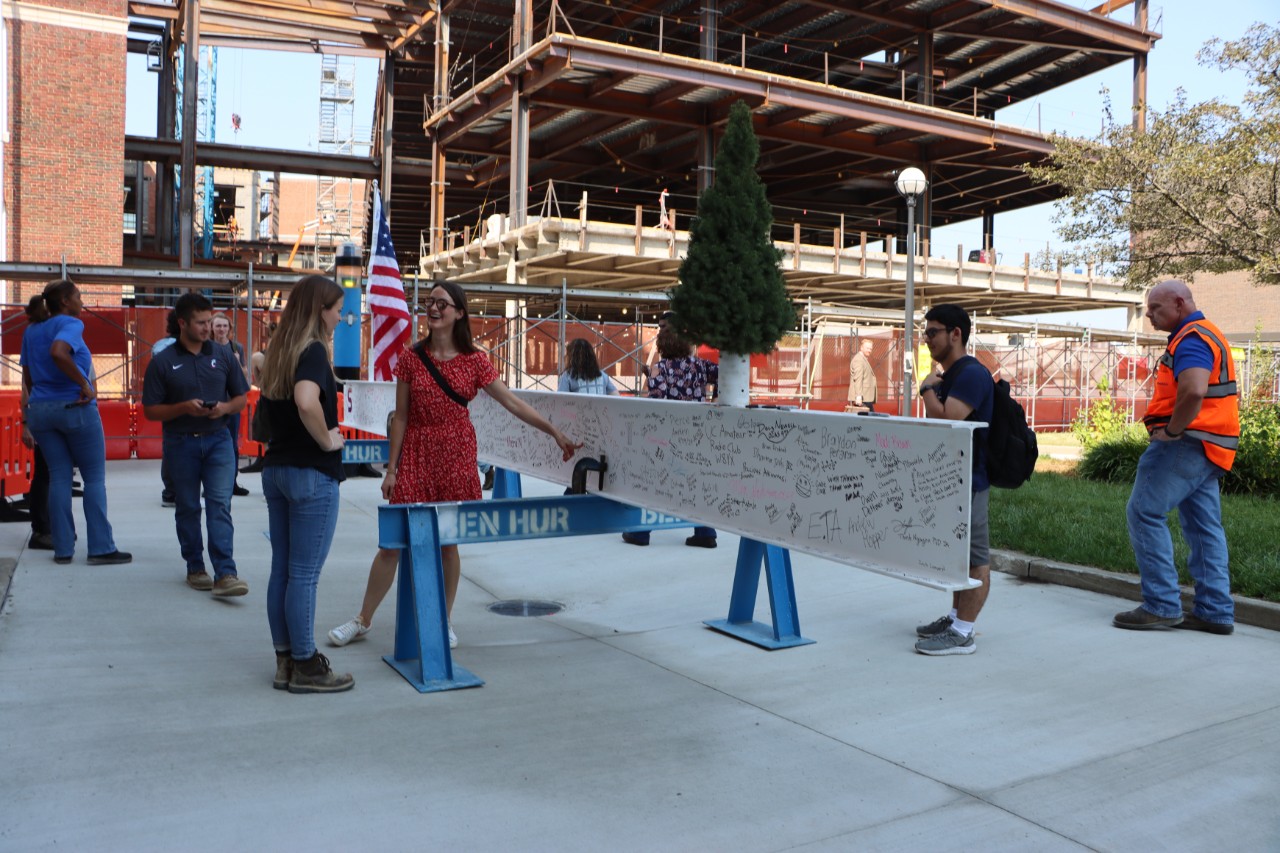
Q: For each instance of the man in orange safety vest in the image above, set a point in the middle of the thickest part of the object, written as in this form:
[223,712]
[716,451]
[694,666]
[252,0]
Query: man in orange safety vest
[1194,422]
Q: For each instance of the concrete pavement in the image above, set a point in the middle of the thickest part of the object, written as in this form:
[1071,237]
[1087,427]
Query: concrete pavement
[137,714]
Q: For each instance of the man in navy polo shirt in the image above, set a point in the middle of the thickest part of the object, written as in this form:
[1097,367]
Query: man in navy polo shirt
[193,387]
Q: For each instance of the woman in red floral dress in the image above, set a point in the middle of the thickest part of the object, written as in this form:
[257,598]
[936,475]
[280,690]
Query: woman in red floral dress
[433,444]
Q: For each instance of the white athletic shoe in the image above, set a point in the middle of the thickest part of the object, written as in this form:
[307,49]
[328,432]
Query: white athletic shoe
[453,638]
[348,631]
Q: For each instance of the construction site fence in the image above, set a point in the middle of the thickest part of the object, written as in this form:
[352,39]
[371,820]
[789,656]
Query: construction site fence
[1055,379]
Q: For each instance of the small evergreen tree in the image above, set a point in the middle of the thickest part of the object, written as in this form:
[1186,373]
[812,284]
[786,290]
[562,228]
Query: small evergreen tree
[731,293]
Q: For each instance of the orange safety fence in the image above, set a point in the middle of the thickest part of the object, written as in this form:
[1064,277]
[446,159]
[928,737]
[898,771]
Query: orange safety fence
[16,459]
[119,427]
[249,447]
[128,434]
[148,436]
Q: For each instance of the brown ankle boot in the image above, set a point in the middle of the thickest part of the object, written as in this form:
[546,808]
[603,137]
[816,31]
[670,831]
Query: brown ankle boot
[284,670]
[315,676]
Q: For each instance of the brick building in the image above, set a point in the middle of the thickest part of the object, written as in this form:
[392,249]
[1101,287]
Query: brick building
[1239,307]
[65,139]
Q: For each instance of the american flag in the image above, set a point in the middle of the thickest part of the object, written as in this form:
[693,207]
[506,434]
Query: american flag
[386,301]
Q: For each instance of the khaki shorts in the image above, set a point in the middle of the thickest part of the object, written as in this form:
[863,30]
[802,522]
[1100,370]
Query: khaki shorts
[979,531]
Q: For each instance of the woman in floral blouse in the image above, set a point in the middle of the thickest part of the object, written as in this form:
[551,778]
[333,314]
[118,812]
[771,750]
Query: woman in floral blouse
[679,375]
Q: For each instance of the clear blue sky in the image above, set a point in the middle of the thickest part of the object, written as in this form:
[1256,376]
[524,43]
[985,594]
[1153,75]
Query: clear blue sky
[277,96]
[275,93]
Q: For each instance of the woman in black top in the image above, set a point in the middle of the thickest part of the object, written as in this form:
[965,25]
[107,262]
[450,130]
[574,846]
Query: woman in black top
[301,471]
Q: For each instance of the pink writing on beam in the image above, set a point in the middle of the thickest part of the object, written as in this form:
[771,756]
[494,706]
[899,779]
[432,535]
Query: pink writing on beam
[892,442]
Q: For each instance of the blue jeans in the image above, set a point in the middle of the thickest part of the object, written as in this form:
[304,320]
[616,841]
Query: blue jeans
[38,497]
[1177,474]
[233,425]
[195,461]
[71,437]
[302,511]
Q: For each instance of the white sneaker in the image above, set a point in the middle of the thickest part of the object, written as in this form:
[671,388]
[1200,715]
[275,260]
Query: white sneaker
[453,638]
[348,631]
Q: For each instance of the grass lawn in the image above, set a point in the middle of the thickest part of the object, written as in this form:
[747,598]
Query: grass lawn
[1057,439]
[1058,516]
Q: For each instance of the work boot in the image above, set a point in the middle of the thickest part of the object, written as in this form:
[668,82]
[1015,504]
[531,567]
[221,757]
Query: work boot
[284,671]
[314,676]
[1194,623]
[229,586]
[1141,619]
[115,558]
[200,581]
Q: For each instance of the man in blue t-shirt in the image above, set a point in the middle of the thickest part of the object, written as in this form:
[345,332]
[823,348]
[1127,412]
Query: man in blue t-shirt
[192,387]
[964,391]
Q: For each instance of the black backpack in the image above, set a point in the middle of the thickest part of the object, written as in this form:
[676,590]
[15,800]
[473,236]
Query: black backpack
[1011,444]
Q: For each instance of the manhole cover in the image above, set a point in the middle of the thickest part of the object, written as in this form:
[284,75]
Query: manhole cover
[524,607]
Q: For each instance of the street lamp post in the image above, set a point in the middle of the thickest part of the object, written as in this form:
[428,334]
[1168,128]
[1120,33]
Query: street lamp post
[911,184]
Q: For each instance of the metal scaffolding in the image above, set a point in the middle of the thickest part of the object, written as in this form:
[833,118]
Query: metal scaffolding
[334,196]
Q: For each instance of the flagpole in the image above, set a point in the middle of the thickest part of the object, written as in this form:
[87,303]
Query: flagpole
[389,316]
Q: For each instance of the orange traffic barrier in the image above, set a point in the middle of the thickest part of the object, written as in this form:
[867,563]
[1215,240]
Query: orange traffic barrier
[117,427]
[249,447]
[148,436]
[16,459]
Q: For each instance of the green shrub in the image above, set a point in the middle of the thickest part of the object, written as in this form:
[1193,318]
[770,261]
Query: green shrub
[1114,459]
[1112,445]
[1257,467]
[1256,470]
[1101,420]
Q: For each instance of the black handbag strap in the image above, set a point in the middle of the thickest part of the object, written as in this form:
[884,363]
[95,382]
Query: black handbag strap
[421,350]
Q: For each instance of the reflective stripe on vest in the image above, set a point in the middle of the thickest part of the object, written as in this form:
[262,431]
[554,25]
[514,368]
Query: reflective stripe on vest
[1217,425]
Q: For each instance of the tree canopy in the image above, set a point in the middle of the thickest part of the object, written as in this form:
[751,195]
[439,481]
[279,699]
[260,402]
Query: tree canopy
[1197,192]
[731,293]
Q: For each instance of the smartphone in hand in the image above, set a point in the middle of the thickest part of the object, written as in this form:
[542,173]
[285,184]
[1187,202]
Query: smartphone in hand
[209,404]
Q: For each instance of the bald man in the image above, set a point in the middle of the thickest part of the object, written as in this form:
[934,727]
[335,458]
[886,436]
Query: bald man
[1194,422]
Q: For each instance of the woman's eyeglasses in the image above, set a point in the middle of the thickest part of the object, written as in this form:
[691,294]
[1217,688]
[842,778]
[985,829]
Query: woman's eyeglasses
[440,304]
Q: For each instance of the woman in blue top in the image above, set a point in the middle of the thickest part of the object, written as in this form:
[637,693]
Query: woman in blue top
[63,417]
[582,374]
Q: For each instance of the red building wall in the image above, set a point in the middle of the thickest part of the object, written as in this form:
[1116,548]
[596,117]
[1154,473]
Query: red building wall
[65,152]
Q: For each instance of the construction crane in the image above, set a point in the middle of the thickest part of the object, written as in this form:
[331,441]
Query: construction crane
[298,242]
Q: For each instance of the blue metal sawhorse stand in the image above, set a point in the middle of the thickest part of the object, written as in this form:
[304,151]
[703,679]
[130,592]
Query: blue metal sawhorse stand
[422,653]
[785,630]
